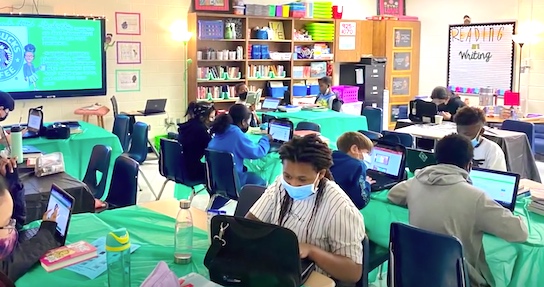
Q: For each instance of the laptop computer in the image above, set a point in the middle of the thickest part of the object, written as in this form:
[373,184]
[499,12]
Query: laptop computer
[59,200]
[387,165]
[269,105]
[421,111]
[281,132]
[34,125]
[501,186]
[154,106]
[418,159]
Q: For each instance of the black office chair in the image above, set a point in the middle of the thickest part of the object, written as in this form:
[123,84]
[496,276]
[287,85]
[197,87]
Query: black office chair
[248,196]
[373,136]
[121,130]
[124,183]
[138,149]
[374,118]
[222,179]
[99,161]
[308,126]
[374,256]
[172,166]
[114,106]
[401,138]
[267,118]
[424,258]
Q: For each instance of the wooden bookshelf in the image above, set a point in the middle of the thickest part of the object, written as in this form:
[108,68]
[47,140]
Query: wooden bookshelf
[399,42]
[196,85]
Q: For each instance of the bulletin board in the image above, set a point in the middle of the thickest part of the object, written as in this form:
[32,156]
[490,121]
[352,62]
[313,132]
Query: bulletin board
[481,55]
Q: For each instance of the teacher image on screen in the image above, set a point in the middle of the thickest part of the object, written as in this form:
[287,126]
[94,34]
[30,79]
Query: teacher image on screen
[29,70]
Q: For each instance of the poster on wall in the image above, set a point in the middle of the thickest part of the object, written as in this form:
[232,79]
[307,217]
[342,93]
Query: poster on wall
[481,55]
[401,86]
[391,7]
[129,52]
[127,80]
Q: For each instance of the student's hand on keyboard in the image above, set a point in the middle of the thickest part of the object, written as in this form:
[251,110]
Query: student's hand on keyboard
[304,250]
[370,180]
[7,165]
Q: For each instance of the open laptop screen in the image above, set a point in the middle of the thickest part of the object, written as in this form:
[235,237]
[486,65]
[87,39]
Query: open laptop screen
[500,186]
[60,201]
[270,103]
[386,160]
[34,122]
[280,131]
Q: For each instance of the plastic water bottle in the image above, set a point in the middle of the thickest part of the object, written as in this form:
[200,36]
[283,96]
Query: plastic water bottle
[118,258]
[183,237]
[17,143]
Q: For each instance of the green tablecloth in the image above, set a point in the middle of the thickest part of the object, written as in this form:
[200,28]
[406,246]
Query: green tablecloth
[153,231]
[512,264]
[77,149]
[333,124]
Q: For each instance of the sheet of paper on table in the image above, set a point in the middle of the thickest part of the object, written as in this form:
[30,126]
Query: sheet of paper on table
[98,265]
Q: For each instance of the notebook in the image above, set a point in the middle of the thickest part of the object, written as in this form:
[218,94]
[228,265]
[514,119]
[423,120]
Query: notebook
[501,186]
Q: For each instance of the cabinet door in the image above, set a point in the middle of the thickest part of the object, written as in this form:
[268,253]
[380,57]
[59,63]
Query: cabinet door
[353,39]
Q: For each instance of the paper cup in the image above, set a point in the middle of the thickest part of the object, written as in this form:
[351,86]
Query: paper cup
[438,119]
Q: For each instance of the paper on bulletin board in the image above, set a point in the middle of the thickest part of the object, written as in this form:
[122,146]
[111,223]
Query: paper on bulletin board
[346,43]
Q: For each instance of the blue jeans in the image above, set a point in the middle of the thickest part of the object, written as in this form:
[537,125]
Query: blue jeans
[245,178]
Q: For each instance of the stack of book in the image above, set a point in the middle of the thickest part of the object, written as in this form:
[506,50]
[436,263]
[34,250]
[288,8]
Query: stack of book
[537,201]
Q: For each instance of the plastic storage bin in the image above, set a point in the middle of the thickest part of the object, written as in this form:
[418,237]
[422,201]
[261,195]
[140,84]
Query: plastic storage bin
[277,92]
[313,90]
[299,91]
[355,108]
[348,94]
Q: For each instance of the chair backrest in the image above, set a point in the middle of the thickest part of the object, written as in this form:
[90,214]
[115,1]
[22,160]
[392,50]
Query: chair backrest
[114,106]
[373,136]
[522,127]
[403,112]
[266,118]
[374,118]
[363,282]
[172,163]
[138,143]
[99,161]
[402,138]
[222,178]
[121,129]
[249,194]
[424,258]
[539,131]
[124,182]
[308,126]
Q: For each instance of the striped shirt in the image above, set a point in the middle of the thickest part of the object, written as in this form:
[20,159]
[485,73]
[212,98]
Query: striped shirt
[337,226]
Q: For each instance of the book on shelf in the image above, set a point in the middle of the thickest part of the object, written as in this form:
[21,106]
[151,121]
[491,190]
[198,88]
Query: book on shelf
[218,72]
[263,71]
[215,92]
[70,254]
[318,69]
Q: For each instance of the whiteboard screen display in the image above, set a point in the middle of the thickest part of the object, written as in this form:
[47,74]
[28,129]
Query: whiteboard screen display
[479,56]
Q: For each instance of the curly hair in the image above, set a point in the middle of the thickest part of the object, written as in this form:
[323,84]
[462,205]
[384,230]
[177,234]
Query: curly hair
[467,116]
[30,48]
[312,150]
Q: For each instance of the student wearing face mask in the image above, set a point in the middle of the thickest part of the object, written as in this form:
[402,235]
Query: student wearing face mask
[193,135]
[448,103]
[306,200]
[241,93]
[487,154]
[229,135]
[16,258]
[350,163]
[441,198]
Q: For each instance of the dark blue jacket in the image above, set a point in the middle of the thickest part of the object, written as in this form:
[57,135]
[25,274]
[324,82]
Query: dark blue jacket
[350,174]
[17,191]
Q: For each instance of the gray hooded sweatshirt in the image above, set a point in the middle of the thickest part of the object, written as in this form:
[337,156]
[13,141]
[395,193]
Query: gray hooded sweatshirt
[441,198]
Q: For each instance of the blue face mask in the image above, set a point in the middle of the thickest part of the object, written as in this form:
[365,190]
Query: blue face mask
[299,192]
[475,141]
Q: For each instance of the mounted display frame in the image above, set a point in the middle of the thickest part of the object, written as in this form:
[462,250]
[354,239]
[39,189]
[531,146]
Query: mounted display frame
[481,55]
[211,5]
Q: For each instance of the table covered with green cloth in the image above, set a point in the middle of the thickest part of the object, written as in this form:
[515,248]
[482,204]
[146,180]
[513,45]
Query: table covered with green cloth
[332,123]
[512,264]
[154,232]
[77,149]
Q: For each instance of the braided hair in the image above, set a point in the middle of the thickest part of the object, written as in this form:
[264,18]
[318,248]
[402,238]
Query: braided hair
[312,150]
[200,110]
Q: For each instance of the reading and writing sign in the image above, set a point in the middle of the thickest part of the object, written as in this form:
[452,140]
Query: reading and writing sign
[481,55]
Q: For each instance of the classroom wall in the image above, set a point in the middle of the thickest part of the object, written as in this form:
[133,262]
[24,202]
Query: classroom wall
[162,65]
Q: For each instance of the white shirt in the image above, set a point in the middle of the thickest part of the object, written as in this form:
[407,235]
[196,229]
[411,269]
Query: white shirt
[489,155]
[336,226]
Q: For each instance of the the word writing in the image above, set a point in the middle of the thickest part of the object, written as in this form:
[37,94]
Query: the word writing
[475,55]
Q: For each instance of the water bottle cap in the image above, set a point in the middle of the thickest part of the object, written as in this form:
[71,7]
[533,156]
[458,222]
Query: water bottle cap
[182,260]
[185,204]
[118,240]
[16,129]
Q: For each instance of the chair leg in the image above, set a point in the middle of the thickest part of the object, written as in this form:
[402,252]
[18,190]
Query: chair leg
[380,270]
[147,182]
[162,188]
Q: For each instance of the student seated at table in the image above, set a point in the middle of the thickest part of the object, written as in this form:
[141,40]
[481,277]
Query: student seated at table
[326,97]
[306,200]
[16,258]
[349,167]
[447,102]
[241,93]
[441,198]
[193,135]
[229,135]
[470,122]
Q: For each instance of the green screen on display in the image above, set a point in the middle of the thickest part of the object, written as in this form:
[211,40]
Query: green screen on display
[46,56]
